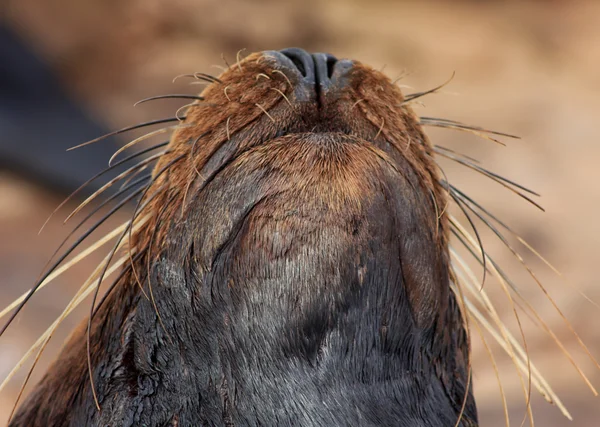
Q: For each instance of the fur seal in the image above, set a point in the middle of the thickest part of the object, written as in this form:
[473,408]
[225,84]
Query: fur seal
[287,264]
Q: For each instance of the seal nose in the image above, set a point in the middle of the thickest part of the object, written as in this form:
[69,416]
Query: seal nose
[317,77]
[317,67]
[324,65]
[302,60]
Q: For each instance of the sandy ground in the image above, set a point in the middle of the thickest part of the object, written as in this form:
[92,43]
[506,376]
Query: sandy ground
[527,68]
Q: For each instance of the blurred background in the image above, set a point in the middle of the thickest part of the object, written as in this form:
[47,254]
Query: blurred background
[71,70]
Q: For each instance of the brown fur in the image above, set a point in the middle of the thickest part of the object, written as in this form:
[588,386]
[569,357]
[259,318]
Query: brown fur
[239,126]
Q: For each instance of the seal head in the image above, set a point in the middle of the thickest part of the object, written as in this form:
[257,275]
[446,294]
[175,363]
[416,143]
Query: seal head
[296,254]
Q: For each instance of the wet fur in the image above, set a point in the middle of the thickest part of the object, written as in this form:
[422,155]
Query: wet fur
[299,273]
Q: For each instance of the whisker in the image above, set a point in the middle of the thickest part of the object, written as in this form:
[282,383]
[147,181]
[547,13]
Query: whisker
[522,241]
[136,212]
[479,242]
[171,96]
[287,79]
[110,183]
[456,153]
[97,209]
[115,283]
[64,256]
[98,175]
[144,191]
[93,304]
[380,128]
[266,112]
[200,83]
[237,58]
[127,129]
[138,208]
[413,96]
[227,128]
[193,152]
[503,239]
[485,172]
[519,364]
[283,95]
[439,215]
[187,106]
[465,321]
[133,176]
[483,257]
[434,121]
[225,61]
[150,243]
[356,103]
[209,77]
[43,340]
[457,157]
[149,251]
[527,391]
[144,137]
[496,371]
[63,268]
[482,135]
[199,76]
[508,342]
[505,280]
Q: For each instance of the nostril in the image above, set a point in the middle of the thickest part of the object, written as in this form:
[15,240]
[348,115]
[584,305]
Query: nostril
[301,59]
[331,60]
[299,65]
[325,66]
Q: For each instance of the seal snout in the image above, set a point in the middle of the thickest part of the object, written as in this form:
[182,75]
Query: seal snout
[317,74]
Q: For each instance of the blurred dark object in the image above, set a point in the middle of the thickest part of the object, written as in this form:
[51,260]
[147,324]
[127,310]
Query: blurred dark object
[38,122]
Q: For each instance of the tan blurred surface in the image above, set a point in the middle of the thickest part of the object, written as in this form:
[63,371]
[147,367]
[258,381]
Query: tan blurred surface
[528,68]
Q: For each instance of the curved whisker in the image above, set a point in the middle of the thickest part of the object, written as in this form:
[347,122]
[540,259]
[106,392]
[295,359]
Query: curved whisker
[461,159]
[493,177]
[63,268]
[434,121]
[110,183]
[413,96]
[115,282]
[98,208]
[479,241]
[170,96]
[98,175]
[456,153]
[127,129]
[34,289]
[209,77]
[43,340]
[95,295]
[527,390]
[145,137]
[519,238]
[506,281]
[136,212]
[533,276]
[496,372]
[199,76]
